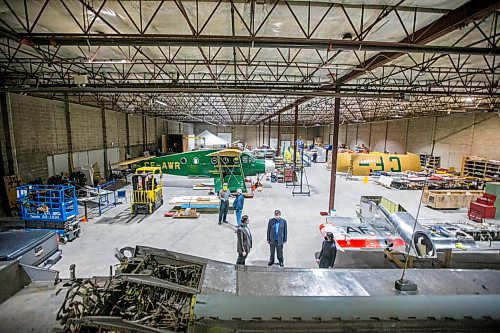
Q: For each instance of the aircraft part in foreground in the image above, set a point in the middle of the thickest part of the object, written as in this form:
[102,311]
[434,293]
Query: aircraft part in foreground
[382,224]
[155,290]
[151,293]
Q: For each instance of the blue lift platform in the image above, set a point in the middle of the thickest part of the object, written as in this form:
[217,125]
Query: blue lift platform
[50,207]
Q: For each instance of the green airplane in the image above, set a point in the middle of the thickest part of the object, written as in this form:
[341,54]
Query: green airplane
[223,165]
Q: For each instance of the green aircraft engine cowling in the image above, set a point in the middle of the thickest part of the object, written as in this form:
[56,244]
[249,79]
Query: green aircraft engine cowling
[198,164]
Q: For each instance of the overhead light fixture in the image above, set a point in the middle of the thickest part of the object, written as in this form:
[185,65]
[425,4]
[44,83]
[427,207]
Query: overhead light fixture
[347,36]
[161,103]
[109,12]
[469,100]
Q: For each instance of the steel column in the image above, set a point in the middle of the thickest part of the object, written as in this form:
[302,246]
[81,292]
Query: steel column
[127,131]
[104,142]
[278,148]
[269,136]
[263,134]
[335,144]
[295,135]
[8,127]
[69,136]
[144,131]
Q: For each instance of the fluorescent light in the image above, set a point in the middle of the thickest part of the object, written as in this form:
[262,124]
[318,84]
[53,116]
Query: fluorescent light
[109,12]
[469,99]
[161,103]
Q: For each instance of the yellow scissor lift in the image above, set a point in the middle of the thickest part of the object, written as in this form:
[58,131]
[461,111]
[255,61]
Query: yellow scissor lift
[147,190]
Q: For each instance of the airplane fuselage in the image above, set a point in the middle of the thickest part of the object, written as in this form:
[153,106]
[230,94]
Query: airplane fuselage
[198,164]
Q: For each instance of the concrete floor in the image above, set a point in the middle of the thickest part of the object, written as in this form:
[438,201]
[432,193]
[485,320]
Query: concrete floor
[93,252]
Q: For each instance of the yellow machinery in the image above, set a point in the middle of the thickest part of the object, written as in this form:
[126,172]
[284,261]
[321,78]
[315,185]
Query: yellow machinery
[147,192]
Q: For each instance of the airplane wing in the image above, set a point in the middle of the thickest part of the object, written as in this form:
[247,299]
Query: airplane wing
[227,152]
[133,161]
[354,234]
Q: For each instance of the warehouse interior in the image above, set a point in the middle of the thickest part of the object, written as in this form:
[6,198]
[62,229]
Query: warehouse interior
[375,122]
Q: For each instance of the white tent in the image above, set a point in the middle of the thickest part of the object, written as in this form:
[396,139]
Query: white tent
[208,139]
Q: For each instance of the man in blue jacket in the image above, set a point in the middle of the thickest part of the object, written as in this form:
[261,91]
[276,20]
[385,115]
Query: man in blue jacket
[238,205]
[276,237]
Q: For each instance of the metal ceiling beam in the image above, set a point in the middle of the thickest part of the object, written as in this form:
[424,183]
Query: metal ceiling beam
[455,19]
[460,17]
[354,91]
[174,90]
[405,46]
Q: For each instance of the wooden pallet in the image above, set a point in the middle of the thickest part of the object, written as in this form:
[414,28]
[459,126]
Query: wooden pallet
[193,214]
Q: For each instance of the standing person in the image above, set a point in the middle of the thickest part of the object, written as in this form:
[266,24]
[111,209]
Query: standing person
[223,196]
[328,252]
[244,237]
[238,205]
[276,237]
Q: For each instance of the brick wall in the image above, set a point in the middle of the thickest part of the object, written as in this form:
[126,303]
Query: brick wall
[39,128]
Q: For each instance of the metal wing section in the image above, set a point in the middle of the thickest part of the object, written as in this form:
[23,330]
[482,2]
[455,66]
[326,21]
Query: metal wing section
[355,234]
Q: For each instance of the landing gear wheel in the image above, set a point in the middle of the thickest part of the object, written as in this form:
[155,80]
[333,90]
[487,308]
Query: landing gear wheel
[63,239]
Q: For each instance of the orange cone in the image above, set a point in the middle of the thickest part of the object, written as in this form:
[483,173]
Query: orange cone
[84,219]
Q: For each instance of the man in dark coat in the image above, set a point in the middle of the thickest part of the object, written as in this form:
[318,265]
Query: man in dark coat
[276,237]
[328,252]
[244,244]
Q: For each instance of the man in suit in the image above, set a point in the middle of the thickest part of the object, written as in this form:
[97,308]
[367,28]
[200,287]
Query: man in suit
[276,237]
[244,244]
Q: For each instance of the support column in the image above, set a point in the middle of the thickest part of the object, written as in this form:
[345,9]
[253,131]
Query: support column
[295,135]
[10,159]
[257,142]
[357,131]
[104,142]
[406,135]
[127,131]
[71,163]
[269,136]
[335,145]
[263,133]
[385,137]
[278,149]
[144,131]
[370,138]
[8,154]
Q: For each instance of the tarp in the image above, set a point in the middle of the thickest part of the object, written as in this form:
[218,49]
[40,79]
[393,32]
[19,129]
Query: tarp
[211,140]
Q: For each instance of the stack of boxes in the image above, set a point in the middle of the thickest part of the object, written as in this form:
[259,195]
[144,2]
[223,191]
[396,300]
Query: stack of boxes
[483,208]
